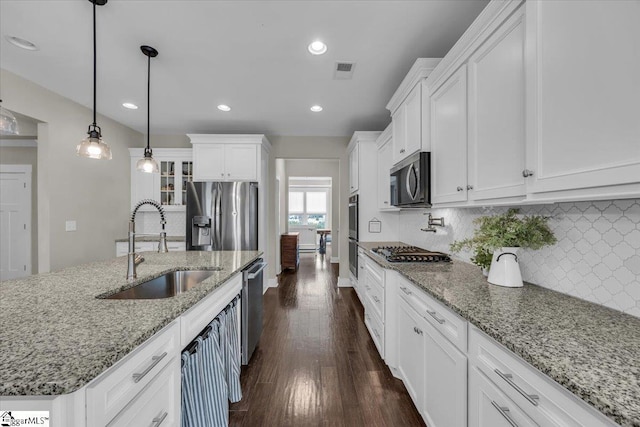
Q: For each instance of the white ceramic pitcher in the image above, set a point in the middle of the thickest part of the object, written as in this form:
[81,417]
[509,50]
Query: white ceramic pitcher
[505,270]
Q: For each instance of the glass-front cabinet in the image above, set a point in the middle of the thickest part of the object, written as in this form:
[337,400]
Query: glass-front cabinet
[169,187]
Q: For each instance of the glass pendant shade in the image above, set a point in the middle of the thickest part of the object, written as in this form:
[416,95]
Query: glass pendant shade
[8,123]
[94,148]
[147,164]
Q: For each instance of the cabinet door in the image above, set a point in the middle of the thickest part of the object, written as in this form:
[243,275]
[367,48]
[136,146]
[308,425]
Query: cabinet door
[354,168]
[445,398]
[241,162]
[449,139]
[385,161]
[489,407]
[411,351]
[583,110]
[208,162]
[413,121]
[496,114]
[399,123]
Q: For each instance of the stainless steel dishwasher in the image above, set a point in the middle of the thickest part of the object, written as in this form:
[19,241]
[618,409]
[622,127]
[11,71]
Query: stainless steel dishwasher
[252,278]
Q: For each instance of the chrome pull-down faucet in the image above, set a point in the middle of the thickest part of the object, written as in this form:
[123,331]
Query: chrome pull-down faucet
[134,259]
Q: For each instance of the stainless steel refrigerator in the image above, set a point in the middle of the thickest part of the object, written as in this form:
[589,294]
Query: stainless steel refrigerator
[223,216]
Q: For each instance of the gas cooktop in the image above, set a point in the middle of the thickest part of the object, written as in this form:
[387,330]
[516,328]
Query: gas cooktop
[410,254]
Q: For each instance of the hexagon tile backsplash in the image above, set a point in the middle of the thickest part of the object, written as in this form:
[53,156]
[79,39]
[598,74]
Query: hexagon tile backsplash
[597,257]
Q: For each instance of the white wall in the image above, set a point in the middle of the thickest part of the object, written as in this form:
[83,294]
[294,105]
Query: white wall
[306,147]
[94,193]
[597,257]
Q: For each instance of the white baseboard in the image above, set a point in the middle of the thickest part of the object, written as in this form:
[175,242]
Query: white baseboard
[344,282]
[335,260]
[273,283]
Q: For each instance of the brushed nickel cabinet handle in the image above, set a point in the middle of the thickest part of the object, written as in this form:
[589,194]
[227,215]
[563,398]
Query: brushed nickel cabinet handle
[433,314]
[158,420]
[375,298]
[459,188]
[504,411]
[532,398]
[469,187]
[402,151]
[403,289]
[527,173]
[154,361]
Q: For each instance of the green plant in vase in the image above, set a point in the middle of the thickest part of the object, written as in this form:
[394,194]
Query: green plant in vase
[505,233]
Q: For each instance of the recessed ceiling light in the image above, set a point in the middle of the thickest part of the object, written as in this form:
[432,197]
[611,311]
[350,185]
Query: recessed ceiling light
[316,108]
[317,48]
[21,43]
[223,107]
[130,106]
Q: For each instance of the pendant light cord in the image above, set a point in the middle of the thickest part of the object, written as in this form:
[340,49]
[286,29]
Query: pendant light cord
[94,63]
[148,101]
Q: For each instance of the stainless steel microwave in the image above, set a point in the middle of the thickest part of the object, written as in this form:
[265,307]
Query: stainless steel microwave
[411,181]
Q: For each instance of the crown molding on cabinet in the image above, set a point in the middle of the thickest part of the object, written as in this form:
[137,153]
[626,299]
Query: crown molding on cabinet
[199,138]
[421,69]
[363,136]
[385,136]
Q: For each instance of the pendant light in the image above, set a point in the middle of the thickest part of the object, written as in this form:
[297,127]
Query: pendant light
[93,146]
[148,163]
[8,122]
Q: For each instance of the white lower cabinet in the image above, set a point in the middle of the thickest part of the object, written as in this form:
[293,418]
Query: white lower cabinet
[445,393]
[411,354]
[158,404]
[489,407]
[128,379]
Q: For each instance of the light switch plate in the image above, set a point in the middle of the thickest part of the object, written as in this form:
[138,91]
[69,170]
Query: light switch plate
[70,226]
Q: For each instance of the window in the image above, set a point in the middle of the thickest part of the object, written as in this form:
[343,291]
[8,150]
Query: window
[309,207]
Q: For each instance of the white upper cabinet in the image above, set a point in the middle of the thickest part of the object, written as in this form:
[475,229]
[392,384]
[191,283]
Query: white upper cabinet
[167,187]
[449,139]
[407,125]
[227,157]
[407,112]
[385,162]
[583,98]
[496,114]
[354,162]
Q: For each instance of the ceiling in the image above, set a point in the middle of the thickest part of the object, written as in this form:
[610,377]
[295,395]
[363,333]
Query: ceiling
[251,55]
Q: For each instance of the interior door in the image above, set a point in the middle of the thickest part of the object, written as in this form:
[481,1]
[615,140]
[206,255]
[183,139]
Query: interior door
[15,223]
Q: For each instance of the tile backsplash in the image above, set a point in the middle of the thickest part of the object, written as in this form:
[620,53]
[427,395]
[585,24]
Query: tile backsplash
[149,222]
[597,257]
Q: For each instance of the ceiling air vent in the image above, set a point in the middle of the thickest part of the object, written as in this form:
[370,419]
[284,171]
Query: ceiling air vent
[343,70]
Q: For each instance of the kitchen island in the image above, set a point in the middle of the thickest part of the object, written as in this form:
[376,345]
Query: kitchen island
[58,335]
[590,350]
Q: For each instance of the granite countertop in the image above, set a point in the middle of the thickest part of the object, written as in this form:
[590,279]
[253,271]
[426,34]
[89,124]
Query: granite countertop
[57,336]
[153,238]
[591,350]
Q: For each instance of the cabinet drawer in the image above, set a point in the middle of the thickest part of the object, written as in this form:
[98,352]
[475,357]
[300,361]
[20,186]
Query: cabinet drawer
[200,315]
[375,273]
[176,246]
[440,317]
[489,407]
[375,294]
[374,325]
[543,400]
[119,385]
[158,405]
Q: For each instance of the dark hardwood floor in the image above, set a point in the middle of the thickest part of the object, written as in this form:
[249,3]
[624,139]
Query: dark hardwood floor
[316,363]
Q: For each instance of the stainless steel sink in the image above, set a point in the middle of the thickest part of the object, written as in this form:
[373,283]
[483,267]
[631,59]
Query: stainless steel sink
[165,286]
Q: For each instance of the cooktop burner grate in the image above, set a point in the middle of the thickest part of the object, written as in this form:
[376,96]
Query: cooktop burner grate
[410,254]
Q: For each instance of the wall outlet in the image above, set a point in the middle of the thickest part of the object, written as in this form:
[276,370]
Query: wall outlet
[70,226]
